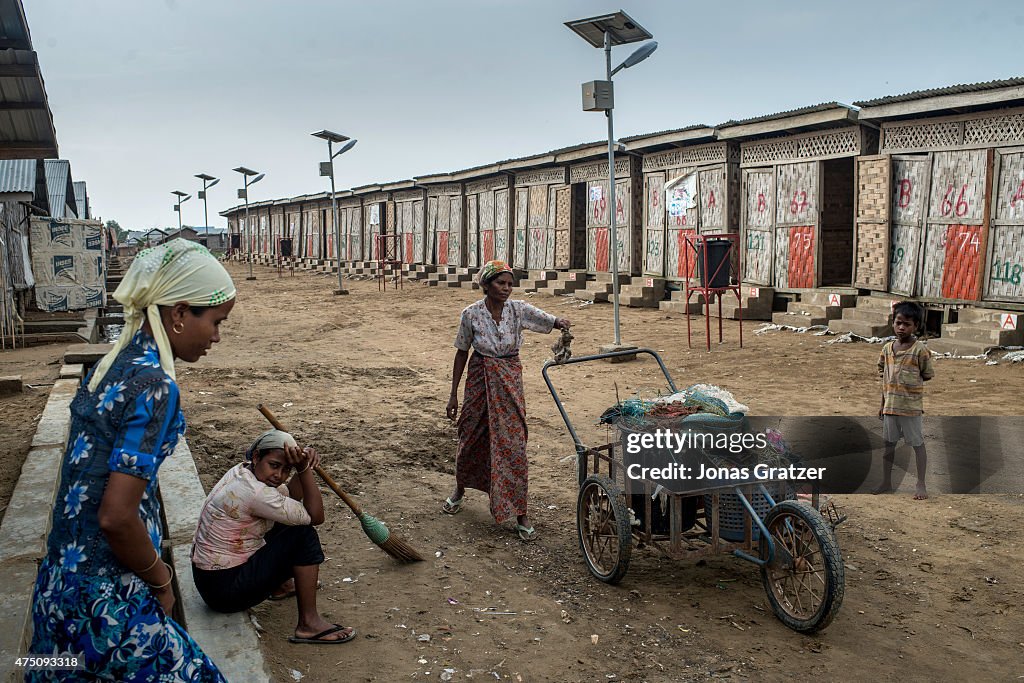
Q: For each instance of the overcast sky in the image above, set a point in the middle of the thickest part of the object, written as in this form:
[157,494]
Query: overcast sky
[147,93]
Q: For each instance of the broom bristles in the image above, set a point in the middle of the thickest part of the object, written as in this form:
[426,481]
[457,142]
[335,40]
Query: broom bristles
[378,532]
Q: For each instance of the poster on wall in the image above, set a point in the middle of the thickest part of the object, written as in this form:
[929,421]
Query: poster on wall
[375,214]
[596,193]
[681,194]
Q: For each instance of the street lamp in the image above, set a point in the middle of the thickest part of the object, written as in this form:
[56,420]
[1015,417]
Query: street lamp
[208,182]
[605,31]
[244,194]
[182,198]
[327,169]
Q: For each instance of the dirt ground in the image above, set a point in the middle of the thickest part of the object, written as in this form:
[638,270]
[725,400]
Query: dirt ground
[933,588]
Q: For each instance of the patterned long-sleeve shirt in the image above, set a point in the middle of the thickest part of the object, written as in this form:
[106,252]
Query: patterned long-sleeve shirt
[498,340]
[903,375]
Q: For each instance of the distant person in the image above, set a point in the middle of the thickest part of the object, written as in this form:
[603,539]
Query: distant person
[492,427]
[256,539]
[104,592]
[904,366]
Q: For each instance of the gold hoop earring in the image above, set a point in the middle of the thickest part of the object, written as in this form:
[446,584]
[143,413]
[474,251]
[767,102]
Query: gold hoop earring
[174,327]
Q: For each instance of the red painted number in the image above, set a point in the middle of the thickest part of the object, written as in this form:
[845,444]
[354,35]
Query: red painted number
[799,202]
[904,196]
[762,204]
[960,207]
[1018,195]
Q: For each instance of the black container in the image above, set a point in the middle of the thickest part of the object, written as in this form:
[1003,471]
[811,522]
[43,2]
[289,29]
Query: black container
[717,275]
[286,246]
[236,241]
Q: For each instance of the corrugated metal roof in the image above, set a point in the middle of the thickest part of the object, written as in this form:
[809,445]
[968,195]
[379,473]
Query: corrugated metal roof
[18,176]
[59,187]
[81,200]
[824,106]
[642,136]
[947,90]
[26,122]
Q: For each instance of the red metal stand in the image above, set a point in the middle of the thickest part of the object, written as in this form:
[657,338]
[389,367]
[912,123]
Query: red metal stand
[697,245]
[387,249]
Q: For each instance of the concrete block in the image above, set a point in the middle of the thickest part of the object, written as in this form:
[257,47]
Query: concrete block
[15,613]
[10,384]
[27,520]
[72,371]
[230,640]
[53,426]
[182,493]
[86,353]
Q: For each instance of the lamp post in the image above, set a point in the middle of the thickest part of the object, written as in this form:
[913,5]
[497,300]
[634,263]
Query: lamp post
[605,31]
[182,198]
[327,169]
[244,194]
[208,182]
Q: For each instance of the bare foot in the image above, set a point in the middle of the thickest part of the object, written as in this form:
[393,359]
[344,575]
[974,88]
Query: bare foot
[285,590]
[884,488]
[921,493]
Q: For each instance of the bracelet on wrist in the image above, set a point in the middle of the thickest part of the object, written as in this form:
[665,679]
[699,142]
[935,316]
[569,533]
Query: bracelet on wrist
[156,559]
[167,583]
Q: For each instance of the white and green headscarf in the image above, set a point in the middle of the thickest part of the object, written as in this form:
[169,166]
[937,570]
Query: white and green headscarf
[175,271]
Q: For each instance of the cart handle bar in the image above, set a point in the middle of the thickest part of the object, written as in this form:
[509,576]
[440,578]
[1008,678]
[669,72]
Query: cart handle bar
[586,359]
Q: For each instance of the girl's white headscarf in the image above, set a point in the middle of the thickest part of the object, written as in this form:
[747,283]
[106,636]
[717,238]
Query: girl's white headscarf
[175,271]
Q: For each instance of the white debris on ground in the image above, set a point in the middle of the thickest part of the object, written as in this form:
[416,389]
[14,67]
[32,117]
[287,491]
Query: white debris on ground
[1014,357]
[850,337]
[819,330]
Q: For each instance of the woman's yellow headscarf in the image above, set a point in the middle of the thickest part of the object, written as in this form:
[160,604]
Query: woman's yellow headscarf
[175,271]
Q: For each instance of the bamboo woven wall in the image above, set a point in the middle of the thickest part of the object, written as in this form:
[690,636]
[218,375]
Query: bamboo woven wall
[1005,271]
[871,268]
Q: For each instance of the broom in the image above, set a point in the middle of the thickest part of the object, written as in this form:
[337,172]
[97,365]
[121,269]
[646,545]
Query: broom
[374,529]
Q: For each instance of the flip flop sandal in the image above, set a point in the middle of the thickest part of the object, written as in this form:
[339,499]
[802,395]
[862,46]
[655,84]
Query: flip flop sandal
[527,534]
[282,596]
[451,507]
[319,639]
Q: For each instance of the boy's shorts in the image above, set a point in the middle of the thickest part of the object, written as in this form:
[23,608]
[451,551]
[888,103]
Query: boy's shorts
[910,427]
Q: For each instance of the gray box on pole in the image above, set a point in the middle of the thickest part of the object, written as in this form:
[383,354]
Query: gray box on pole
[598,96]
[326,169]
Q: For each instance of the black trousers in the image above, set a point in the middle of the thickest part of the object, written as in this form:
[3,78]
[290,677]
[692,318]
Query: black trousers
[249,584]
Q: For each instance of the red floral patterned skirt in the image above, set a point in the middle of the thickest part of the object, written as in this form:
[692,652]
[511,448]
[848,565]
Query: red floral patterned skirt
[492,435]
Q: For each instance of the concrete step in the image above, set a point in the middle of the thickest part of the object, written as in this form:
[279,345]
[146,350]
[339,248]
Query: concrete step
[983,333]
[957,347]
[825,297]
[867,315]
[680,307]
[597,296]
[876,303]
[814,310]
[53,326]
[607,277]
[986,315]
[542,275]
[638,301]
[563,287]
[861,327]
[797,320]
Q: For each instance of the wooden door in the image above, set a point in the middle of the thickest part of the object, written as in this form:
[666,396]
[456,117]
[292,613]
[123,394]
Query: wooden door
[502,228]
[796,206]
[472,231]
[955,228]
[654,224]
[871,230]
[757,225]
[1004,280]
[563,228]
[522,221]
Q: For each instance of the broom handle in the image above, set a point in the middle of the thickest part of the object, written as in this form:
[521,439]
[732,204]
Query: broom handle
[319,470]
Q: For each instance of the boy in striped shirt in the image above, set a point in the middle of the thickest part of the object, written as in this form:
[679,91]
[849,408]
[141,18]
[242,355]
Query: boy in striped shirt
[904,366]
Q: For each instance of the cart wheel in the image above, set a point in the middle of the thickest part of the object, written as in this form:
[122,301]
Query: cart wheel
[806,584]
[602,524]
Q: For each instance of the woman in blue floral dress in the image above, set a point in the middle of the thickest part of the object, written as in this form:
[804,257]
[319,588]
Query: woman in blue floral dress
[103,593]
